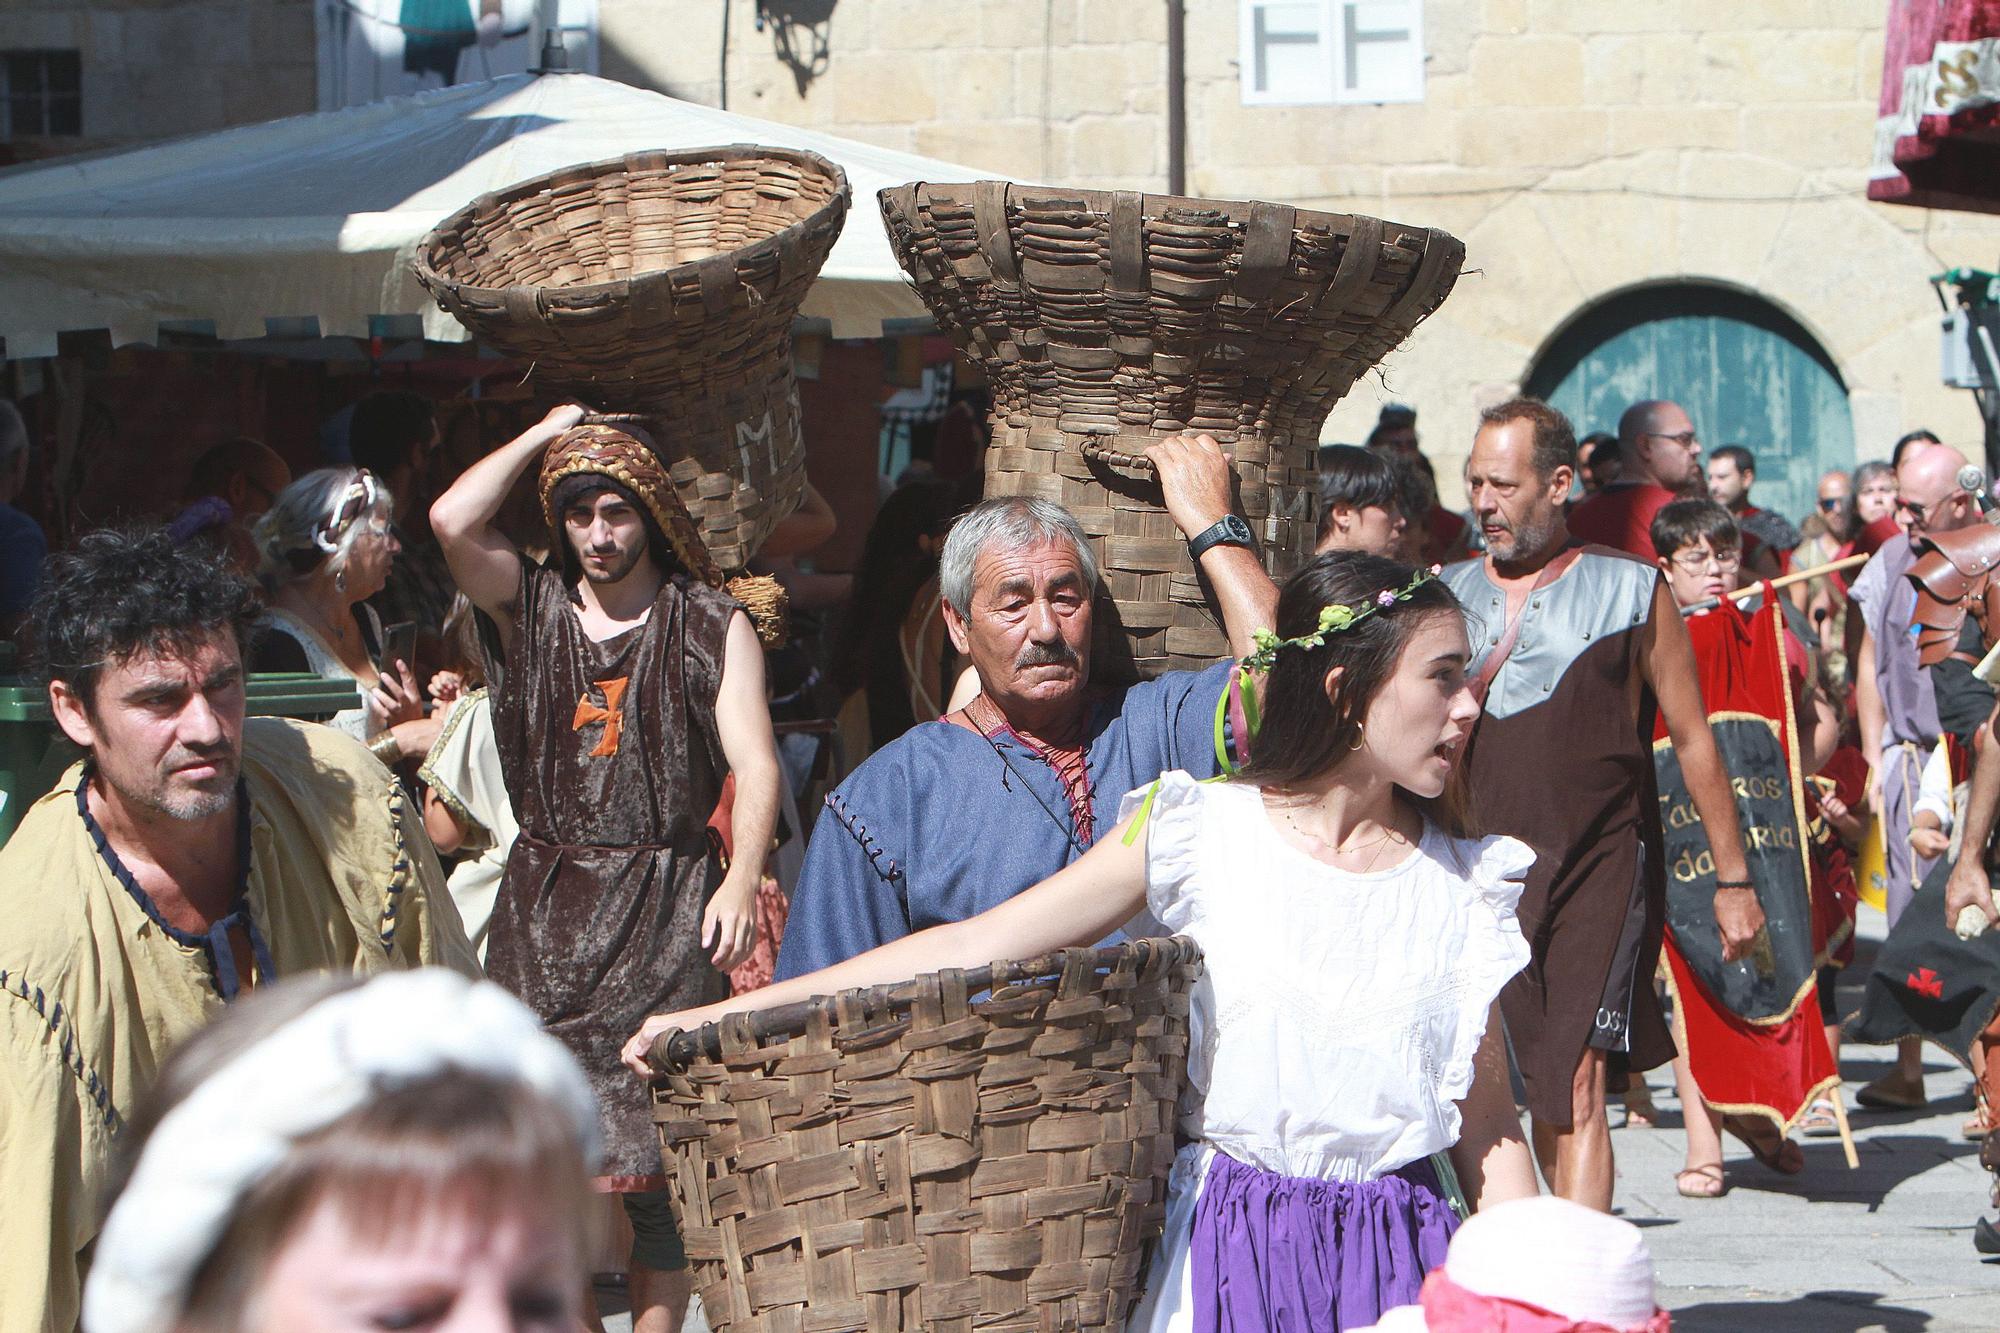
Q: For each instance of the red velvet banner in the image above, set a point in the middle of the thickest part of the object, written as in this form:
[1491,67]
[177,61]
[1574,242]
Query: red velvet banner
[1776,1064]
[1937,128]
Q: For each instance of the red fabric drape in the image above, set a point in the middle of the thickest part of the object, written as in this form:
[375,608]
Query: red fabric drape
[1937,128]
[1769,1069]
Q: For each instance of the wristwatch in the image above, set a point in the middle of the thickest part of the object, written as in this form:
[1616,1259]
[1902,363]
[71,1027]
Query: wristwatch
[1227,531]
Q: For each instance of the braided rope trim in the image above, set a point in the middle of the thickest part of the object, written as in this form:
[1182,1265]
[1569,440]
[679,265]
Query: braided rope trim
[60,1026]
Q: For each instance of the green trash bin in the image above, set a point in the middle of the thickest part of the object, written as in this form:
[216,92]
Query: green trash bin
[34,752]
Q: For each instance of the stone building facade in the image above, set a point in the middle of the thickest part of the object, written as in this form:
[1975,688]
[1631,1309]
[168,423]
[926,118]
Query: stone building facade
[1581,148]
[1592,154]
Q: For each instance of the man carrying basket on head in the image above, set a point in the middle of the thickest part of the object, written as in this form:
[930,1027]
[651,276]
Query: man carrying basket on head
[634,684]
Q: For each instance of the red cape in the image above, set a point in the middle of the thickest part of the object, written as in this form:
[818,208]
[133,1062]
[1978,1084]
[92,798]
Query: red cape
[1775,1069]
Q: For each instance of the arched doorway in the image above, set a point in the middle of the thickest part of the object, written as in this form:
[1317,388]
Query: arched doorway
[1746,372]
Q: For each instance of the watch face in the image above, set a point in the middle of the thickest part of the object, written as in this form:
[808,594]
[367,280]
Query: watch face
[1238,530]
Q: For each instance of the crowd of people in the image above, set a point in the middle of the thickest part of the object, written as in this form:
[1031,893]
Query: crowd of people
[561,774]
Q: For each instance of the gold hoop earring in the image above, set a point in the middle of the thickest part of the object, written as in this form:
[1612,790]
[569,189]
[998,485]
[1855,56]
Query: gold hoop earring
[1360,736]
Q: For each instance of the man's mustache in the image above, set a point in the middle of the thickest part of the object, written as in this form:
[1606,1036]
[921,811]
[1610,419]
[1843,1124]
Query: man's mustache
[1058,653]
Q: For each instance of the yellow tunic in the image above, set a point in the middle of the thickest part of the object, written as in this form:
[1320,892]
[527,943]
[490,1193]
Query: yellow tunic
[93,994]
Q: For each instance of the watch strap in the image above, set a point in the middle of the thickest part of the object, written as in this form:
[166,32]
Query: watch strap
[1226,531]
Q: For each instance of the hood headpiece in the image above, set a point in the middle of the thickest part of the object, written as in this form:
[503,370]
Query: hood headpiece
[606,451]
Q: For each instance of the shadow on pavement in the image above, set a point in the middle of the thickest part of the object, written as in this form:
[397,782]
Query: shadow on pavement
[1887,1161]
[1815,1312]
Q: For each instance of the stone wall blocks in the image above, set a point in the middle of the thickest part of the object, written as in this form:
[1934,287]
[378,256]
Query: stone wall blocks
[1527,71]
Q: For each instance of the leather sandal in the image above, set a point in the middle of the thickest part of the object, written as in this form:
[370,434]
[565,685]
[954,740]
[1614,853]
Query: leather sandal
[1713,1184]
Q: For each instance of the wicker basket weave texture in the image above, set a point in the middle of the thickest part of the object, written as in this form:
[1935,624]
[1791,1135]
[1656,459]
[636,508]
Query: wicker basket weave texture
[1107,321]
[930,1158]
[662,284]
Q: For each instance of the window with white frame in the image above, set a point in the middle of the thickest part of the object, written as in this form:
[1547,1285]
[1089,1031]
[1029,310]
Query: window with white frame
[1319,51]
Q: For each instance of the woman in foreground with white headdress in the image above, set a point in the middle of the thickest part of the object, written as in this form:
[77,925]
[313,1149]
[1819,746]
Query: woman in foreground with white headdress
[412,1152]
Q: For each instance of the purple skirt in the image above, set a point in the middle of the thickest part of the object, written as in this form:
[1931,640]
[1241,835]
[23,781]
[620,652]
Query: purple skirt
[1283,1254]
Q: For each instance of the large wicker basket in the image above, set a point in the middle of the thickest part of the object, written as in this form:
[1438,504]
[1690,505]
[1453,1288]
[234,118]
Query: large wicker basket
[662,284]
[928,1157]
[1106,321]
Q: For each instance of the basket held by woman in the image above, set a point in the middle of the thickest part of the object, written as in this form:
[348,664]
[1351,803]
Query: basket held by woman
[663,285]
[970,1149]
[1106,321]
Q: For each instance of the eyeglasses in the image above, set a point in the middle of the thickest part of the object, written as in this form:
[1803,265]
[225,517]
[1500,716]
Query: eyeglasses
[1694,562]
[1919,513]
[1829,504]
[1686,439]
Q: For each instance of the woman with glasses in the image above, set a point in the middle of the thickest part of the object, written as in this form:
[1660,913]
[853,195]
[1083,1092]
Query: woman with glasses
[326,547]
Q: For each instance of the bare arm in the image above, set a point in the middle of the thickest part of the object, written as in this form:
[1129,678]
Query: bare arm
[483,562]
[743,724]
[1967,886]
[446,830]
[1671,672]
[1194,480]
[1078,905]
[1491,1155]
[1868,706]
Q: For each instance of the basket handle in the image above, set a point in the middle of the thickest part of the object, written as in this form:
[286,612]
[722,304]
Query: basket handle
[1105,454]
[1267,249]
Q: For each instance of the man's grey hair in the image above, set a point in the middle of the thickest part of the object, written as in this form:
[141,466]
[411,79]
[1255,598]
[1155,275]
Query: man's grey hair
[13,432]
[1011,523]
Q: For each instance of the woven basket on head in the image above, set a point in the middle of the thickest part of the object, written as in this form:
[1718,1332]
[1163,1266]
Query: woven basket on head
[662,284]
[1106,321]
[925,1157]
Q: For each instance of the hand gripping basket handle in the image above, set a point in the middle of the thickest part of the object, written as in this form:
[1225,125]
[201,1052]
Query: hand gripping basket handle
[1105,454]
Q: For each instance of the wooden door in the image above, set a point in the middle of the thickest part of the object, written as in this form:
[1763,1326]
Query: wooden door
[1745,372]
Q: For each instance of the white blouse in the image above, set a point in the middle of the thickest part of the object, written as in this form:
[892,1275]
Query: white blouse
[1334,1028]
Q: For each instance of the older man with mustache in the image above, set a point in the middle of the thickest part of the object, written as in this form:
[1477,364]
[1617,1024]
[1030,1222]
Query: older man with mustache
[961,813]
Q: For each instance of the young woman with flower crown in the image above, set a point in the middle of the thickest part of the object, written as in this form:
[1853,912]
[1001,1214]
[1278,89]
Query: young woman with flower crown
[1345,1056]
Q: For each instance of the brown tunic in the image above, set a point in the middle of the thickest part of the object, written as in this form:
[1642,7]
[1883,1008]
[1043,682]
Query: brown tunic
[612,759]
[1563,760]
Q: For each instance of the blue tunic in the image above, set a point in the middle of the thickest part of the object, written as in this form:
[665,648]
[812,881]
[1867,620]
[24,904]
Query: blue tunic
[941,824]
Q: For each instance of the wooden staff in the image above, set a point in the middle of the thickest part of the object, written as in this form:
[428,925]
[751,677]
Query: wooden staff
[1796,576]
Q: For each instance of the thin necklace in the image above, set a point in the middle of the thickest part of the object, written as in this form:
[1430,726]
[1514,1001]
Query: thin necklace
[1378,844]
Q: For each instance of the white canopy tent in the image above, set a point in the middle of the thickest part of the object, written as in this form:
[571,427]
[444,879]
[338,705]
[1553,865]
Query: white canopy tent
[317,216]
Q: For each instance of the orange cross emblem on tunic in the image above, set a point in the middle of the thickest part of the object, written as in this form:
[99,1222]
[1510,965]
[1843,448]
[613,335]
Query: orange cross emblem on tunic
[613,720]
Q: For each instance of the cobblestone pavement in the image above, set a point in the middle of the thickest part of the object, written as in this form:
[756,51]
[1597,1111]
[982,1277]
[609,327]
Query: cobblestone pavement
[1887,1246]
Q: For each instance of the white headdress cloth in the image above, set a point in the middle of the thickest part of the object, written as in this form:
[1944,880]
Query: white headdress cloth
[239,1123]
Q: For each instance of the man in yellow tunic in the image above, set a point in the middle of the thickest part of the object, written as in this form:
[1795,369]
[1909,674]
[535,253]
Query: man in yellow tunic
[191,855]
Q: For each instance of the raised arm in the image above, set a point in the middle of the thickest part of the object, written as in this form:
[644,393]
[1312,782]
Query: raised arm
[1194,480]
[743,724]
[1078,905]
[483,562]
[1676,682]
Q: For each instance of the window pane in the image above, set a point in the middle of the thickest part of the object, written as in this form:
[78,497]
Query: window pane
[1382,58]
[66,115]
[63,73]
[26,115]
[1290,60]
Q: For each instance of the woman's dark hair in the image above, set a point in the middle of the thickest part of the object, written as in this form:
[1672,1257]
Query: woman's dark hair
[1303,733]
[1917,436]
[120,592]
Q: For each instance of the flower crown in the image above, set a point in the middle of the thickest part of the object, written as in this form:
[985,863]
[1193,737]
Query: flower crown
[1333,619]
